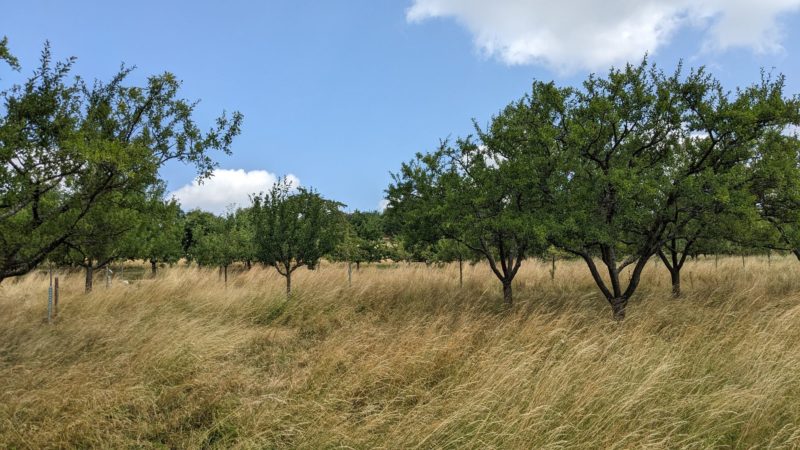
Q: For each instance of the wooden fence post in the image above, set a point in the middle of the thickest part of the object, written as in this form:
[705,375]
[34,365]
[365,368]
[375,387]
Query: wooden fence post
[55,297]
[50,298]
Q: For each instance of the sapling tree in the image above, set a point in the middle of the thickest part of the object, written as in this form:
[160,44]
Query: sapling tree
[220,242]
[368,229]
[451,250]
[196,225]
[294,228]
[157,238]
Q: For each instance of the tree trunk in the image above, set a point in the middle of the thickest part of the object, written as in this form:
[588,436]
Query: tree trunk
[226,275]
[153,267]
[553,269]
[288,282]
[89,277]
[796,253]
[349,273]
[358,265]
[507,294]
[675,275]
[248,264]
[460,272]
[618,306]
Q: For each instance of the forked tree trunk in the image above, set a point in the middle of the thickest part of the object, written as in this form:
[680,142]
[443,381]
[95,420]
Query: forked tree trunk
[89,277]
[618,306]
[674,263]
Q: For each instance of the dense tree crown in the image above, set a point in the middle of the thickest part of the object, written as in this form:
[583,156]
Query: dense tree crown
[294,228]
[628,166]
[66,146]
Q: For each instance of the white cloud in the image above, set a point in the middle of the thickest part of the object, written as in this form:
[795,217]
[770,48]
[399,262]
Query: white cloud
[227,188]
[383,204]
[571,34]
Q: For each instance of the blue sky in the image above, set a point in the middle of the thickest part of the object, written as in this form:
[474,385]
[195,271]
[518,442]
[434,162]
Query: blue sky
[339,93]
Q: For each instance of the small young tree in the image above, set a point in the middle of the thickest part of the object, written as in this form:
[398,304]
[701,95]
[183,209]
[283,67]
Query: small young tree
[294,229]
[368,229]
[451,250]
[196,225]
[157,238]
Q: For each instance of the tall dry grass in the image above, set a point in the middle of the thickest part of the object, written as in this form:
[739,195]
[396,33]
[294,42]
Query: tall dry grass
[404,358]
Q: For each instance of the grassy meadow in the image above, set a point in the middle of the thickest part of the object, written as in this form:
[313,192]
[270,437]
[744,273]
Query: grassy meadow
[404,359]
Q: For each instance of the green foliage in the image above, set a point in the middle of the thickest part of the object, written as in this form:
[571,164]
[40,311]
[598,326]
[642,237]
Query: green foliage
[363,238]
[65,146]
[159,230]
[104,233]
[492,193]
[294,229]
[221,241]
[655,158]
[776,187]
[5,54]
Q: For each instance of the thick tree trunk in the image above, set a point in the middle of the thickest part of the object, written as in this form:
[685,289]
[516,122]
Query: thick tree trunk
[153,267]
[507,293]
[89,277]
[618,306]
[675,275]
[358,265]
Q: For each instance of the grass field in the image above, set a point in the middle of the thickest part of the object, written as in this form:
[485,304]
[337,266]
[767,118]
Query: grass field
[404,358]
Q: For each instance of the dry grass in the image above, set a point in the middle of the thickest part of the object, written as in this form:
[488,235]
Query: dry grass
[405,358]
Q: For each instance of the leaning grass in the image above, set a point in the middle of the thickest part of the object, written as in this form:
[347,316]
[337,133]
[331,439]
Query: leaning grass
[404,358]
